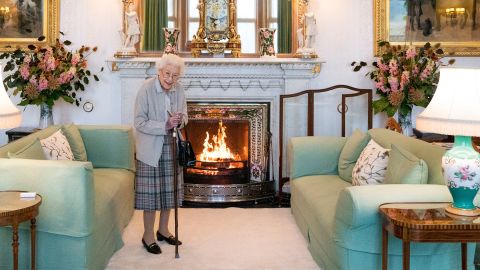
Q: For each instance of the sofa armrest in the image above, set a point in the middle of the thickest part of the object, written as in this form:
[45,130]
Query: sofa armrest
[314,155]
[358,205]
[109,146]
[66,188]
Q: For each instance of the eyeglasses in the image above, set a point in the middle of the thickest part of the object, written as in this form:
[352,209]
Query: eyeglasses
[169,75]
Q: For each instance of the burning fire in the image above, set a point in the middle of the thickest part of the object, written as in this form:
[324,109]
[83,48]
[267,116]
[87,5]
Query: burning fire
[218,150]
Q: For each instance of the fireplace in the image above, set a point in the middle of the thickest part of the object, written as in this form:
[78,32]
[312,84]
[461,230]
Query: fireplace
[231,142]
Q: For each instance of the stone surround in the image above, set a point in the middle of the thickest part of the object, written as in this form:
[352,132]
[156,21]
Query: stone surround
[225,80]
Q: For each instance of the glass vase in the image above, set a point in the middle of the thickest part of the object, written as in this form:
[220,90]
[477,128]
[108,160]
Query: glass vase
[405,122]
[46,116]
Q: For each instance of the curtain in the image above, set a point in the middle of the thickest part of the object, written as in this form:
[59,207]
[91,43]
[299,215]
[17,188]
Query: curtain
[284,37]
[156,17]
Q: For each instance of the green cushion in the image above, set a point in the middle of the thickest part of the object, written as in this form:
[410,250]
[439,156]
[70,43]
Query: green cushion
[350,153]
[32,151]
[109,146]
[76,142]
[405,168]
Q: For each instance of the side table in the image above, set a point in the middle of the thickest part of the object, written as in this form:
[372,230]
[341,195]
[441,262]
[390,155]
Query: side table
[17,133]
[15,210]
[425,222]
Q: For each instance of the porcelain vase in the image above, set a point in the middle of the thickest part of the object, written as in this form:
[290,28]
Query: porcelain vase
[267,48]
[46,116]
[171,40]
[461,171]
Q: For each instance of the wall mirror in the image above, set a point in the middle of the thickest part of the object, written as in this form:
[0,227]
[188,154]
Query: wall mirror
[285,15]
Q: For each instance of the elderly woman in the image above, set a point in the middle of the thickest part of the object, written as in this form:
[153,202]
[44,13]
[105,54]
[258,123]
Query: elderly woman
[160,107]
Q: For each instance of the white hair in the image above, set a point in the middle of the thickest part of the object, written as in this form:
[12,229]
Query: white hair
[170,59]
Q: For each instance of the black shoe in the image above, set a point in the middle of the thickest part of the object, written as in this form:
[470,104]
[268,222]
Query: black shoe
[170,239]
[152,248]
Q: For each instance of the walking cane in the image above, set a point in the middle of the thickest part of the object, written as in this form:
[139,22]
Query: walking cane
[175,187]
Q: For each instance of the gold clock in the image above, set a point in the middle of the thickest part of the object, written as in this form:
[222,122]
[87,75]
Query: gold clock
[217,30]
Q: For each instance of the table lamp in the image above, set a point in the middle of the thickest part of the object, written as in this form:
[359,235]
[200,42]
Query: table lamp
[10,116]
[455,110]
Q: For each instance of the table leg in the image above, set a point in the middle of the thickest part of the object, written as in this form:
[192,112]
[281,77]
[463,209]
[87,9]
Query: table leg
[15,246]
[464,256]
[384,248]
[406,254]
[33,225]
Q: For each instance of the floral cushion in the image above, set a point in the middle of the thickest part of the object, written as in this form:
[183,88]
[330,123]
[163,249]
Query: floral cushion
[371,166]
[56,147]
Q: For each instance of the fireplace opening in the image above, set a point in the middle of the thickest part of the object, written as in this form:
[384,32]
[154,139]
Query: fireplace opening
[232,146]
[222,151]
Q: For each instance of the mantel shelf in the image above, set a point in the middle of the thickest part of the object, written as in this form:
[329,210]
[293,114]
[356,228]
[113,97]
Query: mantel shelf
[257,60]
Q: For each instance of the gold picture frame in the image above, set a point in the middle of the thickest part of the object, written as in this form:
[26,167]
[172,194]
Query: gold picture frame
[22,23]
[453,24]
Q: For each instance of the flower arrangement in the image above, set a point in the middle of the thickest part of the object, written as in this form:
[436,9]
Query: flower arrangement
[404,76]
[44,74]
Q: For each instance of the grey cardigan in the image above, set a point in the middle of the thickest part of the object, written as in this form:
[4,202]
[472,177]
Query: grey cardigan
[150,118]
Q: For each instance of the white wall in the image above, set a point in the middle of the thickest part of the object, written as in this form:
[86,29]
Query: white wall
[345,34]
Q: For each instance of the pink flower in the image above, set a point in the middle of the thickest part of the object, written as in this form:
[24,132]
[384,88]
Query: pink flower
[33,80]
[381,85]
[426,72]
[393,66]
[271,50]
[42,83]
[75,59]
[168,48]
[48,63]
[27,59]
[266,34]
[24,71]
[381,65]
[393,81]
[411,53]
[405,79]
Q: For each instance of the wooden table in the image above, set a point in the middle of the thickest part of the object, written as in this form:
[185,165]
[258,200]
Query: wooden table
[426,222]
[13,211]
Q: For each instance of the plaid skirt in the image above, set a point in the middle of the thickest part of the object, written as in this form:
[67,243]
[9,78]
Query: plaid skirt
[154,185]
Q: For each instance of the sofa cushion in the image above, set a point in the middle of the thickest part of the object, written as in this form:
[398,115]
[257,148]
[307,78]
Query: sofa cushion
[371,166]
[431,154]
[31,151]
[350,153]
[405,168]
[99,142]
[76,142]
[56,147]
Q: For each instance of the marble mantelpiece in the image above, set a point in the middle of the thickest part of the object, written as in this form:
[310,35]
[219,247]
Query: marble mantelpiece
[247,80]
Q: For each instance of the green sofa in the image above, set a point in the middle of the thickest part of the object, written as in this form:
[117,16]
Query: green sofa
[341,222]
[85,206]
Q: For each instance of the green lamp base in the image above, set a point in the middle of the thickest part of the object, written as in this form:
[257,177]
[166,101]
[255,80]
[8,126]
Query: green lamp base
[461,171]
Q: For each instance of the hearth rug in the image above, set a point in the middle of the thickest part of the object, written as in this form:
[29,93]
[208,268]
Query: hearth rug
[221,239]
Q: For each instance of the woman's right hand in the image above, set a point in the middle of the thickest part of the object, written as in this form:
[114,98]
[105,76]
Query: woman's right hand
[174,121]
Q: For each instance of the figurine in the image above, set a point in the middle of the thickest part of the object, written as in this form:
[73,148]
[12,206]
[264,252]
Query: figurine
[133,27]
[131,34]
[306,37]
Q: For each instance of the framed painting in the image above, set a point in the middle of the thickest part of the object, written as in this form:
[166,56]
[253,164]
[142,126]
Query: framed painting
[453,23]
[22,22]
